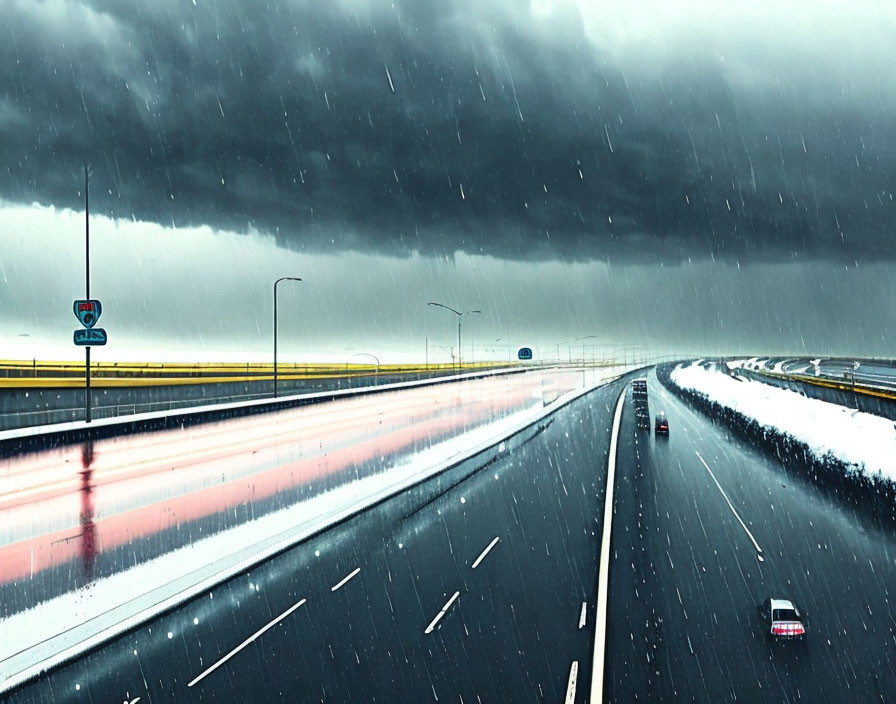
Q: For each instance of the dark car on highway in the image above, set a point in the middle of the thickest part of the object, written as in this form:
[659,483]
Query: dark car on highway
[661,424]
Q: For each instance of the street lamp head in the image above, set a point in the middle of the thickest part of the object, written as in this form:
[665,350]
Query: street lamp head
[456,312]
[442,305]
[366,354]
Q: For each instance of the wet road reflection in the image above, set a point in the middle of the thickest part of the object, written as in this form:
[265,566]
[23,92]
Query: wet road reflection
[88,533]
[136,497]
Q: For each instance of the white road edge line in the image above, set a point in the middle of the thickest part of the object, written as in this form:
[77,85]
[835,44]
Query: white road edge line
[584,615]
[485,552]
[600,630]
[246,642]
[349,576]
[571,685]
[431,626]
[736,514]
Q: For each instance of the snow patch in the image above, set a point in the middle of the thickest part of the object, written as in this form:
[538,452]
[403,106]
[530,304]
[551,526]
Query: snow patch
[861,439]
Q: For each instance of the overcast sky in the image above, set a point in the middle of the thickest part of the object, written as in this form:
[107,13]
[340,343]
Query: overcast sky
[684,175]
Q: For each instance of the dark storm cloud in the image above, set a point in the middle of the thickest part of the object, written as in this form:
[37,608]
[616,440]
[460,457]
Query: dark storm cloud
[436,127]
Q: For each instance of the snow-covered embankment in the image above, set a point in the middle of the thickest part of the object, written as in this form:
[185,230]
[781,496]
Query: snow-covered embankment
[861,444]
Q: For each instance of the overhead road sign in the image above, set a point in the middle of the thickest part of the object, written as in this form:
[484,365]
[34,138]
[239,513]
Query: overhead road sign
[525,353]
[90,337]
[87,311]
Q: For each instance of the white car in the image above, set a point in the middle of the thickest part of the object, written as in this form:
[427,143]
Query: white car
[786,619]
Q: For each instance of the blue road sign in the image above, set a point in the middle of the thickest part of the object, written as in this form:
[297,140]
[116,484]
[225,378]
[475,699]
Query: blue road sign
[88,312]
[525,353]
[89,337]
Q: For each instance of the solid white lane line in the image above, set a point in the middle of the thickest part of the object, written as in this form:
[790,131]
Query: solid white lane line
[431,626]
[485,552]
[583,615]
[571,685]
[736,514]
[600,631]
[347,578]
[246,642]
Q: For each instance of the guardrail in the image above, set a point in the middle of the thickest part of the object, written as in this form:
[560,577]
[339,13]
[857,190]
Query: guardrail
[26,401]
[24,439]
[63,374]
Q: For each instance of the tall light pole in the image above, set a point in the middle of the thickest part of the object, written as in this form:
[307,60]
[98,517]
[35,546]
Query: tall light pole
[87,403]
[282,278]
[459,315]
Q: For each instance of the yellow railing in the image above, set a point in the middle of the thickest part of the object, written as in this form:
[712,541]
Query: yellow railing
[833,384]
[43,374]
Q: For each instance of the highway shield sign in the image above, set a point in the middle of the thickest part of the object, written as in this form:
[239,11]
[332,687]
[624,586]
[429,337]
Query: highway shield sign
[88,312]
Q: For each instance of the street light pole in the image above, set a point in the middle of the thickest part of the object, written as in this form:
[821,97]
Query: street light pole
[87,403]
[460,316]
[282,278]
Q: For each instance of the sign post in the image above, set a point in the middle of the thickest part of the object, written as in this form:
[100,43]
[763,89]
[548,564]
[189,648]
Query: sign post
[87,288]
[87,310]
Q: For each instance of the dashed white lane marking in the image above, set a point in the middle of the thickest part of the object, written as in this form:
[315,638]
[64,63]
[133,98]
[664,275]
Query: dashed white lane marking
[603,580]
[736,514]
[571,685]
[485,552]
[347,578]
[583,615]
[431,626]
[246,642]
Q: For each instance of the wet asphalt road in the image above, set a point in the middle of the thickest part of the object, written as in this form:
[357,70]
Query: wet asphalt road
[24,407]
[686,580]
[686,576]
[510,634]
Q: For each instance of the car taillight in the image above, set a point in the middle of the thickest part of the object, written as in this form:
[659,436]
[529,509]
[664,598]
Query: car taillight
[788,629]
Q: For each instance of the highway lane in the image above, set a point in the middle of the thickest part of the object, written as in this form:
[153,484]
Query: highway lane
[29,406]
[77,513]
[469,588]
[686,576]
